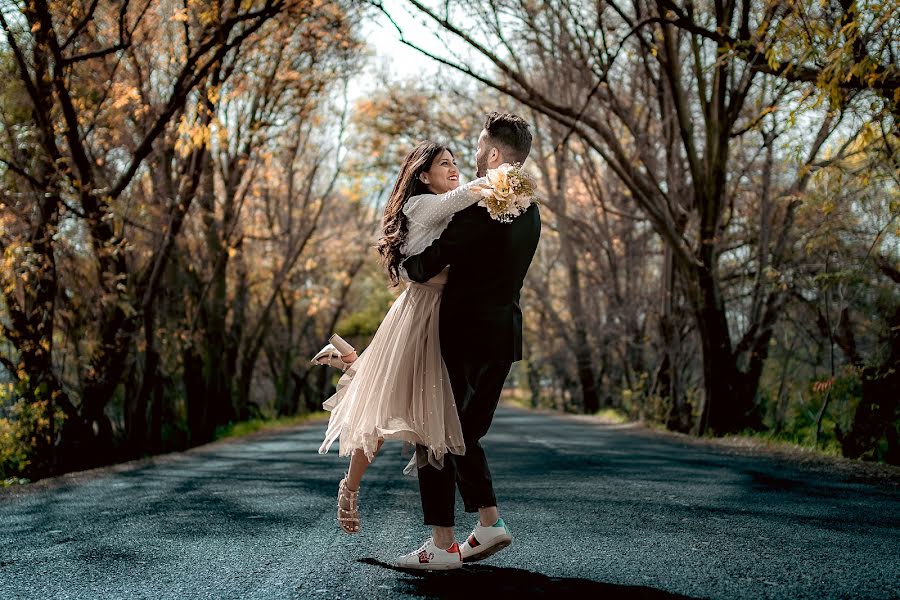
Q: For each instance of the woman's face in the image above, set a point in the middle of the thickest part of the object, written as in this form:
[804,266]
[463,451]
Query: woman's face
[443,175]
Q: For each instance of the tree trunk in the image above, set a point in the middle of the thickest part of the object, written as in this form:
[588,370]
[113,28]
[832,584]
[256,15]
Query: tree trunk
[669,386]
[200,428]
[584,363]
[781,404]
[137,432]
[878,412]
[725,410]
[214,302]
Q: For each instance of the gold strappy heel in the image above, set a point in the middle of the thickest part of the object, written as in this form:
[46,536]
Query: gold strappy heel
[348,518]
[333,354]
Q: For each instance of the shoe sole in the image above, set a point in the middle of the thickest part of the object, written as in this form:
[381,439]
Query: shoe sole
[489,551]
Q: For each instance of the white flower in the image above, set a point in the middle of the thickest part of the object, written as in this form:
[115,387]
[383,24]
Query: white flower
[509,192]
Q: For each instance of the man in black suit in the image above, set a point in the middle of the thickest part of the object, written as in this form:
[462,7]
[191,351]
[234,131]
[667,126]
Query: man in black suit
[481,336]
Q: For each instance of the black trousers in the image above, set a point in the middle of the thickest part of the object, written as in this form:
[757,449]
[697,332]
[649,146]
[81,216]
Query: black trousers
[476,390]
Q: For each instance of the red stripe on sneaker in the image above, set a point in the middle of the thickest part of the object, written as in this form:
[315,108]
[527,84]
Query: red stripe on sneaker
[473,543]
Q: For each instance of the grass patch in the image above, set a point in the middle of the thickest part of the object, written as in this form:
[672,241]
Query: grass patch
[522,399]
[242,428]
[516,398]
[780,443]
[11,481]
[826,447]
[613,416]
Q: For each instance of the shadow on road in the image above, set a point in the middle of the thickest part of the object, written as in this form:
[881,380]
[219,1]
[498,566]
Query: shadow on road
[485,581]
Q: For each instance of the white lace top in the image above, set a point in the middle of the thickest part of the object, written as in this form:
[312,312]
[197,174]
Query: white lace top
[428,215]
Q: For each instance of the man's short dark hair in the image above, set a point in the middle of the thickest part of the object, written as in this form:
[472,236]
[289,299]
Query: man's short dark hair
[511,133]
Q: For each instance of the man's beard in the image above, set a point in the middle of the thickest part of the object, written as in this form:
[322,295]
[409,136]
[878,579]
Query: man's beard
[481,166]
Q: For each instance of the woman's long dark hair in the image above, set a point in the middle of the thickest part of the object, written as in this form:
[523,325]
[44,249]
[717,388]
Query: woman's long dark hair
[394,225]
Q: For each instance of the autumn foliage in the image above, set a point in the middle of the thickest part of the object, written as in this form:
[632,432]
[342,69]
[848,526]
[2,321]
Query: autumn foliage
[190,192]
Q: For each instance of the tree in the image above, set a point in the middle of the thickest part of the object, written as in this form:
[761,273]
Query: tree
[679,165]
[103,175]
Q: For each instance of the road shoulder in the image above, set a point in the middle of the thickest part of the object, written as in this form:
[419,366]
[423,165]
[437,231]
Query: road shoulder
[735,445]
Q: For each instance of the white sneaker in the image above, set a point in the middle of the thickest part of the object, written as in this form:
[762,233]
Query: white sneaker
[431,558]
[485,541]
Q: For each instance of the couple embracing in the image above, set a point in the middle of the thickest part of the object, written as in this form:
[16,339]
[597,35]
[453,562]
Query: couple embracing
[434,371]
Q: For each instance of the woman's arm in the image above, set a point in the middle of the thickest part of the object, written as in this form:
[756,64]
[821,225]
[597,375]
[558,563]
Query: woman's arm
[431,210]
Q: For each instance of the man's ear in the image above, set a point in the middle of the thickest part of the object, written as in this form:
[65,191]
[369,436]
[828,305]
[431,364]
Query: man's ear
[494,155]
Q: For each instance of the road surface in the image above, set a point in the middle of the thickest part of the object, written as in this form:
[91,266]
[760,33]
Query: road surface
[595,510]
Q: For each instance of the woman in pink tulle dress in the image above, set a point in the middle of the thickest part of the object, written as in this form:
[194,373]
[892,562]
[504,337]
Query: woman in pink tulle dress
[399,388]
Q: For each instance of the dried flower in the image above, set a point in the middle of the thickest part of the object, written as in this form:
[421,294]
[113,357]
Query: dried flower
[509,193]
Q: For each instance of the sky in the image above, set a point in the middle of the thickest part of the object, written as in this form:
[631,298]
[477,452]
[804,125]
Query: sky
[394,60]
[384,38]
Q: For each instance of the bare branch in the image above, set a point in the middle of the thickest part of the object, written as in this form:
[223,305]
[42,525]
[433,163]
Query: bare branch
[191,74]
[76,31]
[22,173]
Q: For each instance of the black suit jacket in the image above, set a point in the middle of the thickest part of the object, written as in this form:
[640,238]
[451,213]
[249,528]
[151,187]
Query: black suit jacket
[480,317]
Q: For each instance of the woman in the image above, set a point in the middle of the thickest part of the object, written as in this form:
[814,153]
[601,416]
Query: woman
[399,388]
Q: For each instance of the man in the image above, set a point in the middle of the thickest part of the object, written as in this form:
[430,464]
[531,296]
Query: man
[481,336]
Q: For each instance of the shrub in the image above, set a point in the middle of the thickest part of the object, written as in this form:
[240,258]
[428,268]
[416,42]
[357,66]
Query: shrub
[26,438]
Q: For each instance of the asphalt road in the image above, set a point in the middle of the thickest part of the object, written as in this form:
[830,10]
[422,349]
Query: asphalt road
[595,510]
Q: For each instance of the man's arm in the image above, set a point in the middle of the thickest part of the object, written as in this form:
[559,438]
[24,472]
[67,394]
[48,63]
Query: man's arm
[459,235]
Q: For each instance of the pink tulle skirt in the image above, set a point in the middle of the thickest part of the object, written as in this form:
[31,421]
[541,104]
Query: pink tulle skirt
[399,388]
